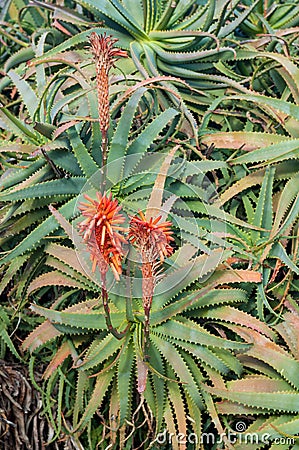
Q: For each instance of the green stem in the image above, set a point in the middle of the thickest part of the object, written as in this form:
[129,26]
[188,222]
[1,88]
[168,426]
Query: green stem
[146,331]
[110,327]
[129,310]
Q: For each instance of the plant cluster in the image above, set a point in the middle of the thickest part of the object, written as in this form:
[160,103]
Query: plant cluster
[149,219]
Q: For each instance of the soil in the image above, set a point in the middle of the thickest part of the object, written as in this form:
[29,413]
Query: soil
[23,426]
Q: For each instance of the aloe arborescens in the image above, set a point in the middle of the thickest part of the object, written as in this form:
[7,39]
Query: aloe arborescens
[105,57]
[100,231]
[153,242]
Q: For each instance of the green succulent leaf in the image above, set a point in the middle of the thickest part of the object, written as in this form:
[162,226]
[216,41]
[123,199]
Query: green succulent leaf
[189,331]
[271,401]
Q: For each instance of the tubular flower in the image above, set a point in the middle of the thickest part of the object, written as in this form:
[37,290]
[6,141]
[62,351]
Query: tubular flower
[100,231]
[151,237]
[152,240]
[105,57]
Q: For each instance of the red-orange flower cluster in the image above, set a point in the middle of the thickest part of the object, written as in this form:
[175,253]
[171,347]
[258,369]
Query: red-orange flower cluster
[100,230]
[105,54]
[151,237]
[152,240]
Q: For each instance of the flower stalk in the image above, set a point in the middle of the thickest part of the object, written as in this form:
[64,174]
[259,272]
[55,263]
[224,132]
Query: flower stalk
[105,299]
[101,230]
[105,56]
[152,239]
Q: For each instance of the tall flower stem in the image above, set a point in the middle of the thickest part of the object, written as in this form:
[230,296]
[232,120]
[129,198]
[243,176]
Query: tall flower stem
[101,230]
[146,331]
[152,241]
[148,285]
[129,309]
[105,300]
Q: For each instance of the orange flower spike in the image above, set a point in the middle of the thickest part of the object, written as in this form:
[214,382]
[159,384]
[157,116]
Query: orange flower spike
[103,218]
[151,236]
[151,239]
[105,56]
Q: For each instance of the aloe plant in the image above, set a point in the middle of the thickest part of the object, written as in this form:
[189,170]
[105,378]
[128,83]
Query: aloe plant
[55,163]
[178,39]
[183,336]
[269,17]
[182,39]
[260,392]
[268,247]
[185,302]
[119,365]
[185,350]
